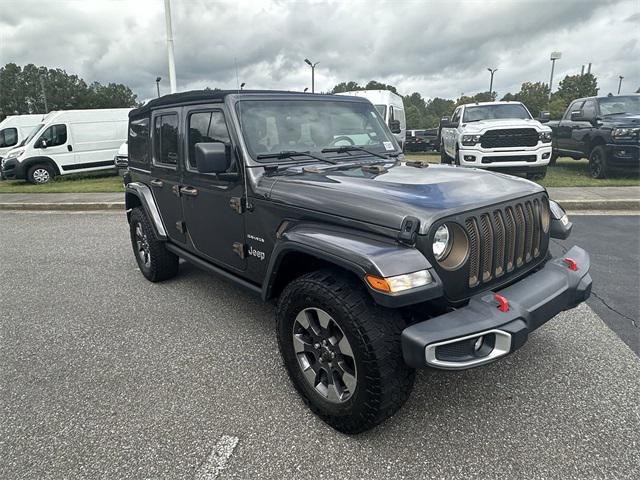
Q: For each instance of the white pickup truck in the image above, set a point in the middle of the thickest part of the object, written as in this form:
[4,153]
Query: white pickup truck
[496,135]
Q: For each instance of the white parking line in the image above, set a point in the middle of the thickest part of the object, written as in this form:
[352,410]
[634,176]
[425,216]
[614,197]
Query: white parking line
[218,458]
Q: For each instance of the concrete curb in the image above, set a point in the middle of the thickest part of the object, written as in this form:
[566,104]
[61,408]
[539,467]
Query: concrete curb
[603,205]
[68,206]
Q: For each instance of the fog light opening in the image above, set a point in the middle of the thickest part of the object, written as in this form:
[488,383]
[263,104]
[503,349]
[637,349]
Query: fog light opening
[469,158]
[546,155]
[478,344]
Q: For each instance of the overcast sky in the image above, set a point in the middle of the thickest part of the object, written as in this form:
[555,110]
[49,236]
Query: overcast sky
[437,48]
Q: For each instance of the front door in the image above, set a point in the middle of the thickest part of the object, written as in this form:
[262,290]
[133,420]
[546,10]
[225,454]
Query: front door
[55,143]
[215,228]
[165,171]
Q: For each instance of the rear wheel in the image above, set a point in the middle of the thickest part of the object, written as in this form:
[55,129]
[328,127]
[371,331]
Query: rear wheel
[598,162]
[40,174]
[154,260]
[342,351]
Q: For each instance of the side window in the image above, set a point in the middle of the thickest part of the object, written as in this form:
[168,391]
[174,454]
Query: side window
[206,127]
[456,116]
[399,115]
[589,109]
[138,142]
[8,137]
[165,139]
[54,135]
[574,107]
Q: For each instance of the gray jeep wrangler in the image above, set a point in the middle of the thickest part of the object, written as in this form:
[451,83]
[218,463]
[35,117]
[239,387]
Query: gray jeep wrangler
[378,265]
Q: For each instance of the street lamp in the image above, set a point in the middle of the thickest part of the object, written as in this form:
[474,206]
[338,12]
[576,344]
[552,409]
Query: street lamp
[554,56]
[305,89]
[620,83]
[313,71]
[158,85]
[242,85]
[492,70]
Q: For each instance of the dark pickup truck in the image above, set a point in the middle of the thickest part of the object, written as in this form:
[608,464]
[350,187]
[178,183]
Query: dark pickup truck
[603,129]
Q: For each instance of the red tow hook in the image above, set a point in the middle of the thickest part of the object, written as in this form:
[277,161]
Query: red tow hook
[503,303]
[571,263]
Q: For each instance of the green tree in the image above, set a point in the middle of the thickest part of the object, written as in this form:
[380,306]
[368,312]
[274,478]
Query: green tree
[534,95]
[346,87]
[577,86]
[437,108]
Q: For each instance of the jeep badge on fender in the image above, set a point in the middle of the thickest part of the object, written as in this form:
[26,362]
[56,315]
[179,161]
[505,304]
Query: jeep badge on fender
[378,266]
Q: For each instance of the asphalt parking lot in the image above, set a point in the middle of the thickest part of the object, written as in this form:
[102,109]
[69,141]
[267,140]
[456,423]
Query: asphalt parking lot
[104,375]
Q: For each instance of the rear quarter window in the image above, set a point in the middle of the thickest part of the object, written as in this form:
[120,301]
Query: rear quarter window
[139,147]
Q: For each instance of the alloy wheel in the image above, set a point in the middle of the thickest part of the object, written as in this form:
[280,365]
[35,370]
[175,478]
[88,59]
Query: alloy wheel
[41,175]
[595,165]
[324,355]
[142,246]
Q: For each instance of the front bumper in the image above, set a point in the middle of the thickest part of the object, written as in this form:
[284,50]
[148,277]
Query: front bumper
[482,332]
[525,157]
[11,169]
[621,155]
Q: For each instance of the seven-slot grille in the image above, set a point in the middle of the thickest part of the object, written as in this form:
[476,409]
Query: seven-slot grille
[513,137]
[504,239]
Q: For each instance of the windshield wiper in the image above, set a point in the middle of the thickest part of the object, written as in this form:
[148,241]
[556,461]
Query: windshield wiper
[292,153]
[353,148]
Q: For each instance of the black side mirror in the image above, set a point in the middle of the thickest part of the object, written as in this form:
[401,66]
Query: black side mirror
[544,117]
[394,125]
[576,116]
[214,157]
[43,143]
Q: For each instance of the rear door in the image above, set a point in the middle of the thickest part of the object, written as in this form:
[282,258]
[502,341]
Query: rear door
[165,170]
[209,201]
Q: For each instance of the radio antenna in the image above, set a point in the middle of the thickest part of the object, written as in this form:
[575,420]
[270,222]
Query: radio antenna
[235,61]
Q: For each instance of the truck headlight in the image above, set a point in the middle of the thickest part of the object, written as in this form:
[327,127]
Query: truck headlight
[545,137]
[558,213]
[399,283]
[15,154]
[624,132]
[441,243]
[470,140]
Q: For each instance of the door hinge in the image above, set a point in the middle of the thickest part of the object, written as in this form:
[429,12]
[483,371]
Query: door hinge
[181,227]
[176,189]
[240,249]
[237,204]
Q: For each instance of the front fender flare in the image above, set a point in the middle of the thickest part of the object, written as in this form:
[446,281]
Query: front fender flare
[145,198]
[358,252]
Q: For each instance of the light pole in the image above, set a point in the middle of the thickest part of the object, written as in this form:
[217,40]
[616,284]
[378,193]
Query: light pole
[620,83]
[44,92]
[158,85]
[554,56]
[313,71]
[492,70]
[172,62]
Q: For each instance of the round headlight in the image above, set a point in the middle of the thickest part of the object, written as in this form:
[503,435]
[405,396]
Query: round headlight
[441,242]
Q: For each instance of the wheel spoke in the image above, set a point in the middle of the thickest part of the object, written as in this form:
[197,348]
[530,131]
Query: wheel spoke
[312,322]
[300,345]
[345,347]
[323,319]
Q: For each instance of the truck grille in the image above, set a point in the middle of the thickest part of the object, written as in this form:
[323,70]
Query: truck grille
[504,239]
[513,137]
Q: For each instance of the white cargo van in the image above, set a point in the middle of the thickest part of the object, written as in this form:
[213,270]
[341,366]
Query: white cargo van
[69,141]
[390,107]
[14,129]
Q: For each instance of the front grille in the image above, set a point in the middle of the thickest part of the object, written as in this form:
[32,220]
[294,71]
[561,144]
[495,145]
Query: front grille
[509,158]
[504,239]
[513,137]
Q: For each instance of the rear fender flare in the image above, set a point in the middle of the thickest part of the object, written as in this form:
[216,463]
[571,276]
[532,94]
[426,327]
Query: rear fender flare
[138,194]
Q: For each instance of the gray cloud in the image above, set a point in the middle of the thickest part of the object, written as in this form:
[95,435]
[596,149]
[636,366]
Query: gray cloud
[435,48]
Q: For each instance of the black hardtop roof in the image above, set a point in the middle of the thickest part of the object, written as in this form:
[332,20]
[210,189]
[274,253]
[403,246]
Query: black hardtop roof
[195,96]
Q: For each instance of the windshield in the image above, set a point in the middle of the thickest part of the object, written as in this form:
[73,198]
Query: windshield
[618,105]
[382,110]
[272,126]
[493,112]
[33,133]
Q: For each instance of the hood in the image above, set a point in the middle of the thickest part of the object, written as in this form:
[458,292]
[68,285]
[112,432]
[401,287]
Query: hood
[623,119]
[384,199]
[483,125]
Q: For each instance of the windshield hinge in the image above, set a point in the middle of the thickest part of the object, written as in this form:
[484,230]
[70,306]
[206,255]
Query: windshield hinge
[409,230]
[240,249]
[237,204]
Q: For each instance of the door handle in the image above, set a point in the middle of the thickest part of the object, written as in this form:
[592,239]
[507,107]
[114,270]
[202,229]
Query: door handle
[190,191]
[156,183]
[70,148]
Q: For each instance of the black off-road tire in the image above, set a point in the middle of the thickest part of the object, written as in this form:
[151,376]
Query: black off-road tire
[598,167]
[40,174]
[162,264]
[384,381]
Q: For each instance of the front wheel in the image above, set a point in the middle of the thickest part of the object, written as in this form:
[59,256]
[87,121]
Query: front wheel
[342,352]
[444,158]
[40,174]
[154,260]
[598,162]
